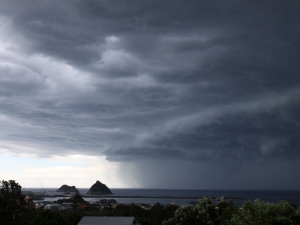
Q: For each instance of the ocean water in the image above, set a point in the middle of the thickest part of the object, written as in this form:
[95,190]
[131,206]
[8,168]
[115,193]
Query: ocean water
[152,196]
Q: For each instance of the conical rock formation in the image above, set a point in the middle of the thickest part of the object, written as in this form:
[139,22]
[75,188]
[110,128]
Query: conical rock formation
[99,189]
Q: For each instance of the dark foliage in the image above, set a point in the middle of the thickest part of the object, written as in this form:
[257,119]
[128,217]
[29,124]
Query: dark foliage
[47,217]
[11,200]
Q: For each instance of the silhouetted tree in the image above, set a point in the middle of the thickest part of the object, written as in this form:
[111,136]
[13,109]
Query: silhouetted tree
[122,210]
[259,212]
[11,199]
[47,217]
[139,213]
[225,210]
[183,216]
[157,213]
[205,212]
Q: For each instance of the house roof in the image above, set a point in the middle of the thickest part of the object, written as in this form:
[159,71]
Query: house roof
[99,220]
[30,206]
[53,204]
[44,202]
[65,207]
[83,206]
[27,198]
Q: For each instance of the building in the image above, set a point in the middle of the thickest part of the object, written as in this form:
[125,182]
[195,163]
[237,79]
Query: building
[144,206]
[30,205]
[41,204]
[33,195]
[68,203]
[28,199]
[65,207]
[82,206]
[108,201]
[99,220]
[52,206]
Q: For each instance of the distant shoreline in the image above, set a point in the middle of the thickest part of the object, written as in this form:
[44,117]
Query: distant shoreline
[142,196]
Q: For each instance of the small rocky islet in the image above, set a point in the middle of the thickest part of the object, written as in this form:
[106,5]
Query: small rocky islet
[66,188]
[97,188]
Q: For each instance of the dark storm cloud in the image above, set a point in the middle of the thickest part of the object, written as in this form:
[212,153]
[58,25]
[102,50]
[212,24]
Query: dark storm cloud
[203,81]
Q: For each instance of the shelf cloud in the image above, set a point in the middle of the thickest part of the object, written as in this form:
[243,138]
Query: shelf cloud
[199,83]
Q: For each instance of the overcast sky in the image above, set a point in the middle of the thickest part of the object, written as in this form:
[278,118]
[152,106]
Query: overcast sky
[150,94]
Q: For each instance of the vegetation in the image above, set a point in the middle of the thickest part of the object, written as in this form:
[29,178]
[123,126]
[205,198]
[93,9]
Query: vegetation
[11,200]
[259,212]
[205,212]
[46,217]
[224,213]
[13,212]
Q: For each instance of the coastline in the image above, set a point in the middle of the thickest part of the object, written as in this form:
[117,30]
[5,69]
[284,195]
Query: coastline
[143,196]
[181,197]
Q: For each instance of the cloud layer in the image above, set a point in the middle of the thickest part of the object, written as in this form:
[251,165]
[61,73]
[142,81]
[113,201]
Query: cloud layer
[199,81]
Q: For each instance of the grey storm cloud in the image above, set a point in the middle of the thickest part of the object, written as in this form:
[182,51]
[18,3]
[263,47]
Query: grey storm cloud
[202,81]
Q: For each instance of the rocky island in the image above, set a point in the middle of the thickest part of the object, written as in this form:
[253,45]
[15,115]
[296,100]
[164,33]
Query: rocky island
[66,188]
[99,189]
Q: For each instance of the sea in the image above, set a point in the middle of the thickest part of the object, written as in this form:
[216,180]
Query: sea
[183,197]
